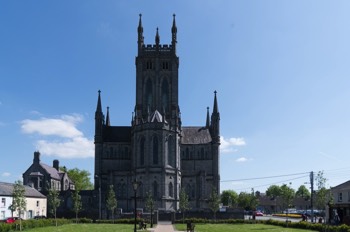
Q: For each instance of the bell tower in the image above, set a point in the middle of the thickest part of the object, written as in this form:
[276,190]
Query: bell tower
[156,122]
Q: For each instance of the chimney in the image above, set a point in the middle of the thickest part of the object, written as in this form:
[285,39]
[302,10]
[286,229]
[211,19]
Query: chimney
[56,164]
[36,159]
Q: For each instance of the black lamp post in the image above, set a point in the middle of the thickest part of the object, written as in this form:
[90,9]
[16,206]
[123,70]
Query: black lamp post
[135,185]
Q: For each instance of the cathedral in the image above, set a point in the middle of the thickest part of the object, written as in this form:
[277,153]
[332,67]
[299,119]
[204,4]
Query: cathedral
[156,151]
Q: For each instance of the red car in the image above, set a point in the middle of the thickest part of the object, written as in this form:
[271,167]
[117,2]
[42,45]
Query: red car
[10,219]
[258,213]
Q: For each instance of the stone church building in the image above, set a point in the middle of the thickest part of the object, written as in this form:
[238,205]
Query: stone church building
[156,150]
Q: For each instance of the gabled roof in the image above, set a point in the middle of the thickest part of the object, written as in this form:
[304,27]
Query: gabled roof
[345,185]
[195,135]
[6,189]
[51,170]
[156,117]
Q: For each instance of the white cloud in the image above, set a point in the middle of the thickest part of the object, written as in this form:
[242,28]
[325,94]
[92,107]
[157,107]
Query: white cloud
[65,141]
[64,127]
[6,174]
[228,145]
[78,147]
[241,159]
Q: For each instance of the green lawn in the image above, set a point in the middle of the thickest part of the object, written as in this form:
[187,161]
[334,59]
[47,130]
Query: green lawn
[179,227]
[238,228]
[86,228]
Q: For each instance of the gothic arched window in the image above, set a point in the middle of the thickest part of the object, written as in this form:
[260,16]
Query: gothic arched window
[165,95]
[155,150]
[149,94]
[155,189]
[171,190]
[170,151]
[142,151]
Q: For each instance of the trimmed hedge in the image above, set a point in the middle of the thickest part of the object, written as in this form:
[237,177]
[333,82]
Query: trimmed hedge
[298,225]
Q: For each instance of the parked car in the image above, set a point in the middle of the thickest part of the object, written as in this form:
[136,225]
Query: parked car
[40,217]
[258,213]
[10,220]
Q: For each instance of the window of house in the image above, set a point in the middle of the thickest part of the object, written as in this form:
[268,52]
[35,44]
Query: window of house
[3,202]
[37,203]
[340,197]
[2,215]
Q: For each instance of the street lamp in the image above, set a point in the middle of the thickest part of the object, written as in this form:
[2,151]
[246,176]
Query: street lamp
[135,185]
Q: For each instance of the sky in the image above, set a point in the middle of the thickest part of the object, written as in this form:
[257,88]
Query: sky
[280,68]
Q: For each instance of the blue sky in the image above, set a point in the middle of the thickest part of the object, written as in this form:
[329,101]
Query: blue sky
[281,70]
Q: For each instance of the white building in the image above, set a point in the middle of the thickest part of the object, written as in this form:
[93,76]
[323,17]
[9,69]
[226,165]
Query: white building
[36,202]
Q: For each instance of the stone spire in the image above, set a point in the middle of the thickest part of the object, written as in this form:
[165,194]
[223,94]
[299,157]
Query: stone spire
[173,33]
[107,117]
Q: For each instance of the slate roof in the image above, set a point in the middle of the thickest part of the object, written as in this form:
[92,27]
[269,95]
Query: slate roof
[51,170]
[195,135]
[117,134]
[344,185]
[6,189]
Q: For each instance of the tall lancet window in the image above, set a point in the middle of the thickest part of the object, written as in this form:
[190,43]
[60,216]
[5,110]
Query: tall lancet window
[165,95]
[142,151]
[171,190]
[149,94]
[155,189]
[155,150]
[171,151]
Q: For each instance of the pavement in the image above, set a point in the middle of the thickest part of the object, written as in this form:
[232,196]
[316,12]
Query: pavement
[163,227]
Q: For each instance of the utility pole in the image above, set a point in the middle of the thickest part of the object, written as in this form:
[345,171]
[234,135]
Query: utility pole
[312,195]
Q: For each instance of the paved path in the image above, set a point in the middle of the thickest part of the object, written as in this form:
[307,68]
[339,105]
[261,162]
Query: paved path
[163,227]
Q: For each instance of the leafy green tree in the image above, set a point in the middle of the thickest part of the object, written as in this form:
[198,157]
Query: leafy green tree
[273,191]
[183,203]
[323,195]
[150,205]
[77,204]
[303,192]
[247,201]
[287,194]
[111,201]
[19,202]
[53,202]
[81,179]
[214,201]
[229,198]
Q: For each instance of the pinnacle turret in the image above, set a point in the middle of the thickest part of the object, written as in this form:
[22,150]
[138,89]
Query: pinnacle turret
[107,117]
[157,38]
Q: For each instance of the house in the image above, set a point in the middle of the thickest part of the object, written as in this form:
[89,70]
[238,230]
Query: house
[36,202]
[341,203]
[42,177]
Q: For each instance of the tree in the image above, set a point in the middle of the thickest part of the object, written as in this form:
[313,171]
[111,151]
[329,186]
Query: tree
[214,201]
[247,201]
[273,191]
[150,205]
[229,198]
[183,204]
[111,201]
[77,204]
[287,194]
[303,192]
[53,202]
[19,201]
[81,179]
[323,195]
